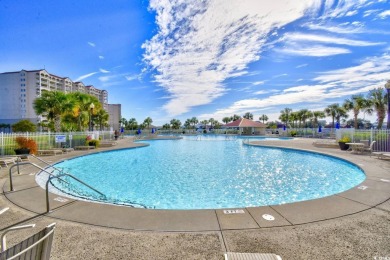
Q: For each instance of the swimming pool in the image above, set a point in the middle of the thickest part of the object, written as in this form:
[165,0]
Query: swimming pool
[208,174]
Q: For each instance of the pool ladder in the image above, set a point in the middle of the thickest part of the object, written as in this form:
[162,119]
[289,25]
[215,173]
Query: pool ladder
[51,177]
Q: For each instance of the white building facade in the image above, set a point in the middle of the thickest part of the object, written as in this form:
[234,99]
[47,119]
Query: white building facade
[19,89]
[115,114]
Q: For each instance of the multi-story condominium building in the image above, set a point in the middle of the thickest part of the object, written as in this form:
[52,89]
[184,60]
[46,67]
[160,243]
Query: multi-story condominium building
[19,89]
[115,114]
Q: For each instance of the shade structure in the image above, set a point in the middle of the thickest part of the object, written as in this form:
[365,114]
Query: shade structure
[138,131]
[284,128]
[337,125]
[153,131]
[319,129]
[247,127]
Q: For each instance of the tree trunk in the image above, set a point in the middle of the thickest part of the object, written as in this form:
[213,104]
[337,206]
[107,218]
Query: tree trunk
[57,123]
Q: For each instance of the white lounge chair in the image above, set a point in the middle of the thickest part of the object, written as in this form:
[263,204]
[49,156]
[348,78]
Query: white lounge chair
[370,148]
[381,155]
[37,246]
[7,160]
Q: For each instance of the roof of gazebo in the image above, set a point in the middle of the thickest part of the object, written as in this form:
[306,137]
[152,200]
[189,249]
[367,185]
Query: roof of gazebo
[243,122]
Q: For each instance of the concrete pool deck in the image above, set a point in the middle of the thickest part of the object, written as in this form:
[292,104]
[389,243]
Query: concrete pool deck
[212,232]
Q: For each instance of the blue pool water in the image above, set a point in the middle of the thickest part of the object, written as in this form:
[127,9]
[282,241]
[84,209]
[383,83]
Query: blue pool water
[206,174]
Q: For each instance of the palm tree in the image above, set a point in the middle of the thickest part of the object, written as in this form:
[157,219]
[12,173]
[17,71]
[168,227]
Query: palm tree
[123,122]
[378,98]
[81,110]
[285,114]
[212,122]
[147,122]
[331,111]
[316,116]
[194,121]
[132,123]
[248,115]
[226,119]
[204,123]
[53,104]
[341,113]
[187,124]
[175,123]
[263,118]
[356,104]
[235,117]
[166,126]
[294,117]
[101,118]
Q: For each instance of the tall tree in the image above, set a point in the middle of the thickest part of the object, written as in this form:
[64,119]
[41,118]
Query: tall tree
[81,111]
[356,104]
[235,117]
[147,122]
[101,118]
[132,124]
[378,98]
[226,119]
[317,115]
[285,114]
[263,118]
[331,111]
[194,121]
[204,123]
[248,115]
[52,105]
[212,122]
[187,124]
[175,123]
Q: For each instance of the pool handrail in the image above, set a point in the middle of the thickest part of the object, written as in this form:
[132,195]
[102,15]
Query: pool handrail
[23,163]
[61,175]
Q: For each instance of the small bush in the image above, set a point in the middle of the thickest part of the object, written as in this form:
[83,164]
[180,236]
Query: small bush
[93,142]
[26,143]
[345,139]
[293,133]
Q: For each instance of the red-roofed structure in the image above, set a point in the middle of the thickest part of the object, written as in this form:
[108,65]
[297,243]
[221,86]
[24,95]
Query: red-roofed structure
[247,127]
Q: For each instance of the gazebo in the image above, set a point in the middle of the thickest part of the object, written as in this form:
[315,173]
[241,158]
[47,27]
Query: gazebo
[247,127]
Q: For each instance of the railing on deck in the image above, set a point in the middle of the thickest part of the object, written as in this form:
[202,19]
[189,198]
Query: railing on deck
[48,140]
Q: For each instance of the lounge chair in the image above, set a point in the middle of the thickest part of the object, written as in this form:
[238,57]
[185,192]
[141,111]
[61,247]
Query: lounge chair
[7,160]
[37,246]
[381,155]
[251,256]
[369,149]
[50,152]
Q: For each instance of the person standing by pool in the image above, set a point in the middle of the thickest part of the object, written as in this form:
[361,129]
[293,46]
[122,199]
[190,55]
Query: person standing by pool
[116,134]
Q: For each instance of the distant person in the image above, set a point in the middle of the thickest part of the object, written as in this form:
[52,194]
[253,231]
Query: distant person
[116,134]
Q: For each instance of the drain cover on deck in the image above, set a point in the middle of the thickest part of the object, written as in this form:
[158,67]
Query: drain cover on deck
[268,217]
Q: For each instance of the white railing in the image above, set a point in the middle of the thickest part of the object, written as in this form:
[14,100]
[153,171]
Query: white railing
[48,140]
[382,137]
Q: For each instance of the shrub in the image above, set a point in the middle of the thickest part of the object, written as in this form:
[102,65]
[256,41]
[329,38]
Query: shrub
[26,143]
[24,126]
[293,133]
[345,139]
[93,142]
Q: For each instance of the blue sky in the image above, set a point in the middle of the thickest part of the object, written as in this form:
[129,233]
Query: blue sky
[211,58]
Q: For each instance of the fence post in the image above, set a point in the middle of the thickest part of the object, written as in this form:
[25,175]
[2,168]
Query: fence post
[2,143]
[371,135]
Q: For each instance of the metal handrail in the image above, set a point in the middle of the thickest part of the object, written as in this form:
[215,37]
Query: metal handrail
[61,175]
[24,163]
[45,162]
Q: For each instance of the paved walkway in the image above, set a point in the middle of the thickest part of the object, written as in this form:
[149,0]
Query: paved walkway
[219,228]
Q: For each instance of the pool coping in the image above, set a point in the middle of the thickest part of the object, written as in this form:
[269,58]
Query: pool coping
[369,194]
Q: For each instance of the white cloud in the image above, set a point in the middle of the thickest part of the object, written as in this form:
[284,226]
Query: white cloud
[384,14]
[101,57]
[91,44]
[337,9]
[258,83]
[338,28]
[85,76]
[300,37]
[351,13]
[314,50]
[301,66]
[133,77]
[104,71]
[371,73]
[192,66]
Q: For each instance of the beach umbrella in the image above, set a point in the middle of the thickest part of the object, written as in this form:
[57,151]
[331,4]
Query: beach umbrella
[153,131]
[337,125]
[319,129]
[138,131]
[284,128]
